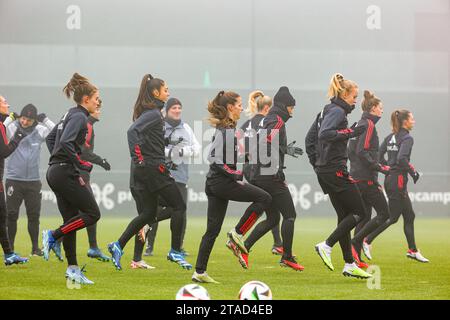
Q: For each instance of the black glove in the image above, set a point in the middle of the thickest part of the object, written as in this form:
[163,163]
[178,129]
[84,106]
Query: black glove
[19,135]
[105,165]
[170,165]
[294,151]
[41,117]
[415,176]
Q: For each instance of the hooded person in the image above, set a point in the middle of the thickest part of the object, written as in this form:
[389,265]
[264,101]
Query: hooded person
[270,176]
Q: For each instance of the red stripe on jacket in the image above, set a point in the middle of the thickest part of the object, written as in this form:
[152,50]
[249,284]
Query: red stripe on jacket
[5,139]
[275,129]
[369,134]
[88,136]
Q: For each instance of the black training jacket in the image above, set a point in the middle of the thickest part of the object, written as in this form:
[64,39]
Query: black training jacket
[333,136]
[66,139]
[6,148]
[398,148]
[250,130]
[87,150]
[363,150]
[274,126]
[146,137]
[223,155]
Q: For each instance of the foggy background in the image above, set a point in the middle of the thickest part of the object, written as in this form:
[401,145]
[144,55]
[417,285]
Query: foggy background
[397,49]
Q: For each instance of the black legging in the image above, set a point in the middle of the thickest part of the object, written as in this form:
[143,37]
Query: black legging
[350,210]
[164,213]
[76,203]
[373,197]
[399,207]
[148,202]
[4,239]
[281,203]
[219,194]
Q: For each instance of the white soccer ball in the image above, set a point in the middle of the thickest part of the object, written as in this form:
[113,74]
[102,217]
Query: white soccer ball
[255,290]
[192,292]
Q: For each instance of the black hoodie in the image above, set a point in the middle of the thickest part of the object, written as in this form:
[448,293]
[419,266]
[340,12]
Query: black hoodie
[333,137]
[363,150]
[274,125]
[146,137]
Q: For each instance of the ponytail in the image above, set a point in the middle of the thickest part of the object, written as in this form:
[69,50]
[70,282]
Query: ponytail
[256,102]
[397,118]
[145,99]
[339,85]
[218,112]
[78,87]
[370,101]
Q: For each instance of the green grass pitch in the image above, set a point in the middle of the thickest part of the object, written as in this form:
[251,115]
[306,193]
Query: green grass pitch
[400,278]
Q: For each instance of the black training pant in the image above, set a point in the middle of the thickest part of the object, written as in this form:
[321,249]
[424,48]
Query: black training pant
[373,197]
[146,195]
[92,229]
[281,203]
[28,192]
[164,213]
[76,204]
[219,192]
[4,239]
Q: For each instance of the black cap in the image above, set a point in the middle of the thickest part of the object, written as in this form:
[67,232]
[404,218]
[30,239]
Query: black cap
[29,111]
[284,97]
[172,102]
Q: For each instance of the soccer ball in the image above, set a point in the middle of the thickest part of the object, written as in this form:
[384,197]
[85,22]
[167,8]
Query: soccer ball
[192,292]
[255,290]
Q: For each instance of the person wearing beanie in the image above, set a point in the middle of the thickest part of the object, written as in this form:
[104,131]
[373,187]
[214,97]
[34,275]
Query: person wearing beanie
[270,176]
[87,154]
[6,149]
[23,181]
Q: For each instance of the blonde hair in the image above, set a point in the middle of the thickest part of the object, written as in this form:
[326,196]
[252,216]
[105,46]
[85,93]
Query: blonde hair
[256,102]
[339,85]
[218,112]
[370,101]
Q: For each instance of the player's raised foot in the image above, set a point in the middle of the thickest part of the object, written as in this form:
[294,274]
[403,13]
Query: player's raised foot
[291,262]
[324,252]
[355,255]
[140,265]
[36,253]
[142,234]
[242,257]
[277,250]
[116,253]
[50,243]
[96,253]
[416,255]
[352,270]
[203,278]
[367,247]
[177,257]
[14,258]
[238,240]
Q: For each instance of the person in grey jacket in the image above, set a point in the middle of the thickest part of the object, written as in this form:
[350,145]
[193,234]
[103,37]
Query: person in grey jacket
[181,147]
[23,182]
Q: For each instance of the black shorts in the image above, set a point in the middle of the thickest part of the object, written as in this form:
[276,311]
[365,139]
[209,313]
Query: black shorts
[152,178]
[335,182]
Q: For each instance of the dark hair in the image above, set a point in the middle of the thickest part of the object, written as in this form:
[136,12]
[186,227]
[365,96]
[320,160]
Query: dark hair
[370,101]
[145,99]
[218,112]
[397,118]
[78,87]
